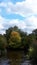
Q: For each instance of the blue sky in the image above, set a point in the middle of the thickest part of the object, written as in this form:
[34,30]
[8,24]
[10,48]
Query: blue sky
[22,13]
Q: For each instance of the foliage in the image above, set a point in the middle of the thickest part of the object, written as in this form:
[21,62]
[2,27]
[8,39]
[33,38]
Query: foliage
[33,48]
[3,42]
[35,33]
[8,32]
[15,39]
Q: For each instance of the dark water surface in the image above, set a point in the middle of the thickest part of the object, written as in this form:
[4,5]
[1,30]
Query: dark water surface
[14,58]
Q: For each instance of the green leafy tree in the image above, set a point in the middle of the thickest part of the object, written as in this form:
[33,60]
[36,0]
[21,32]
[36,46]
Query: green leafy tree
[33,46]
[35,33]
[3,42]
[23,38]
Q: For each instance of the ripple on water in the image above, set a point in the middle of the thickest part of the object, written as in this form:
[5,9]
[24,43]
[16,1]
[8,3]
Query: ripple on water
[4,61]
[7,62]
[26,62]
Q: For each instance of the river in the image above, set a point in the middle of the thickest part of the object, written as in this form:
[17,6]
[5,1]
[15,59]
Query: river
[14,58]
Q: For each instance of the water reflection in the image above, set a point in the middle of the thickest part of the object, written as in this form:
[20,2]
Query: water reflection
[14,58]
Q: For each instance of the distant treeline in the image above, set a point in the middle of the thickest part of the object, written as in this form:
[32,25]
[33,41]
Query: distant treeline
[16,38]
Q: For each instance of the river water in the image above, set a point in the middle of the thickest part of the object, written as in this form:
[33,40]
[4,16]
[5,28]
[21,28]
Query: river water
[14,58]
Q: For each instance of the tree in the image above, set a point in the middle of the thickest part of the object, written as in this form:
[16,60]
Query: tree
[15,39]
[33,46]
[35,33]
[8,32]
[23,38]
[3,42]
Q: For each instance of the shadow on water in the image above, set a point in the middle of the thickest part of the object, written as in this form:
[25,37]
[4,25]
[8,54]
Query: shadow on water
[14,58]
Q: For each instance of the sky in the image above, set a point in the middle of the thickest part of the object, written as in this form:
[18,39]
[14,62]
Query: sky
[22,13]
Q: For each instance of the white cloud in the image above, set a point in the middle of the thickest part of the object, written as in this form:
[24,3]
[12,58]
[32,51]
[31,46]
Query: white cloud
[2,22]
[33,5]
[19,8]
[27,25]
[20,23]
[31,23]
[3,4]
[27,8]
[5,24]
[24,8]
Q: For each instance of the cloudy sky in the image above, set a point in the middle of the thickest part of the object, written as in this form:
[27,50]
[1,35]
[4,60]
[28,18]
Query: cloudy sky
[22,13]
